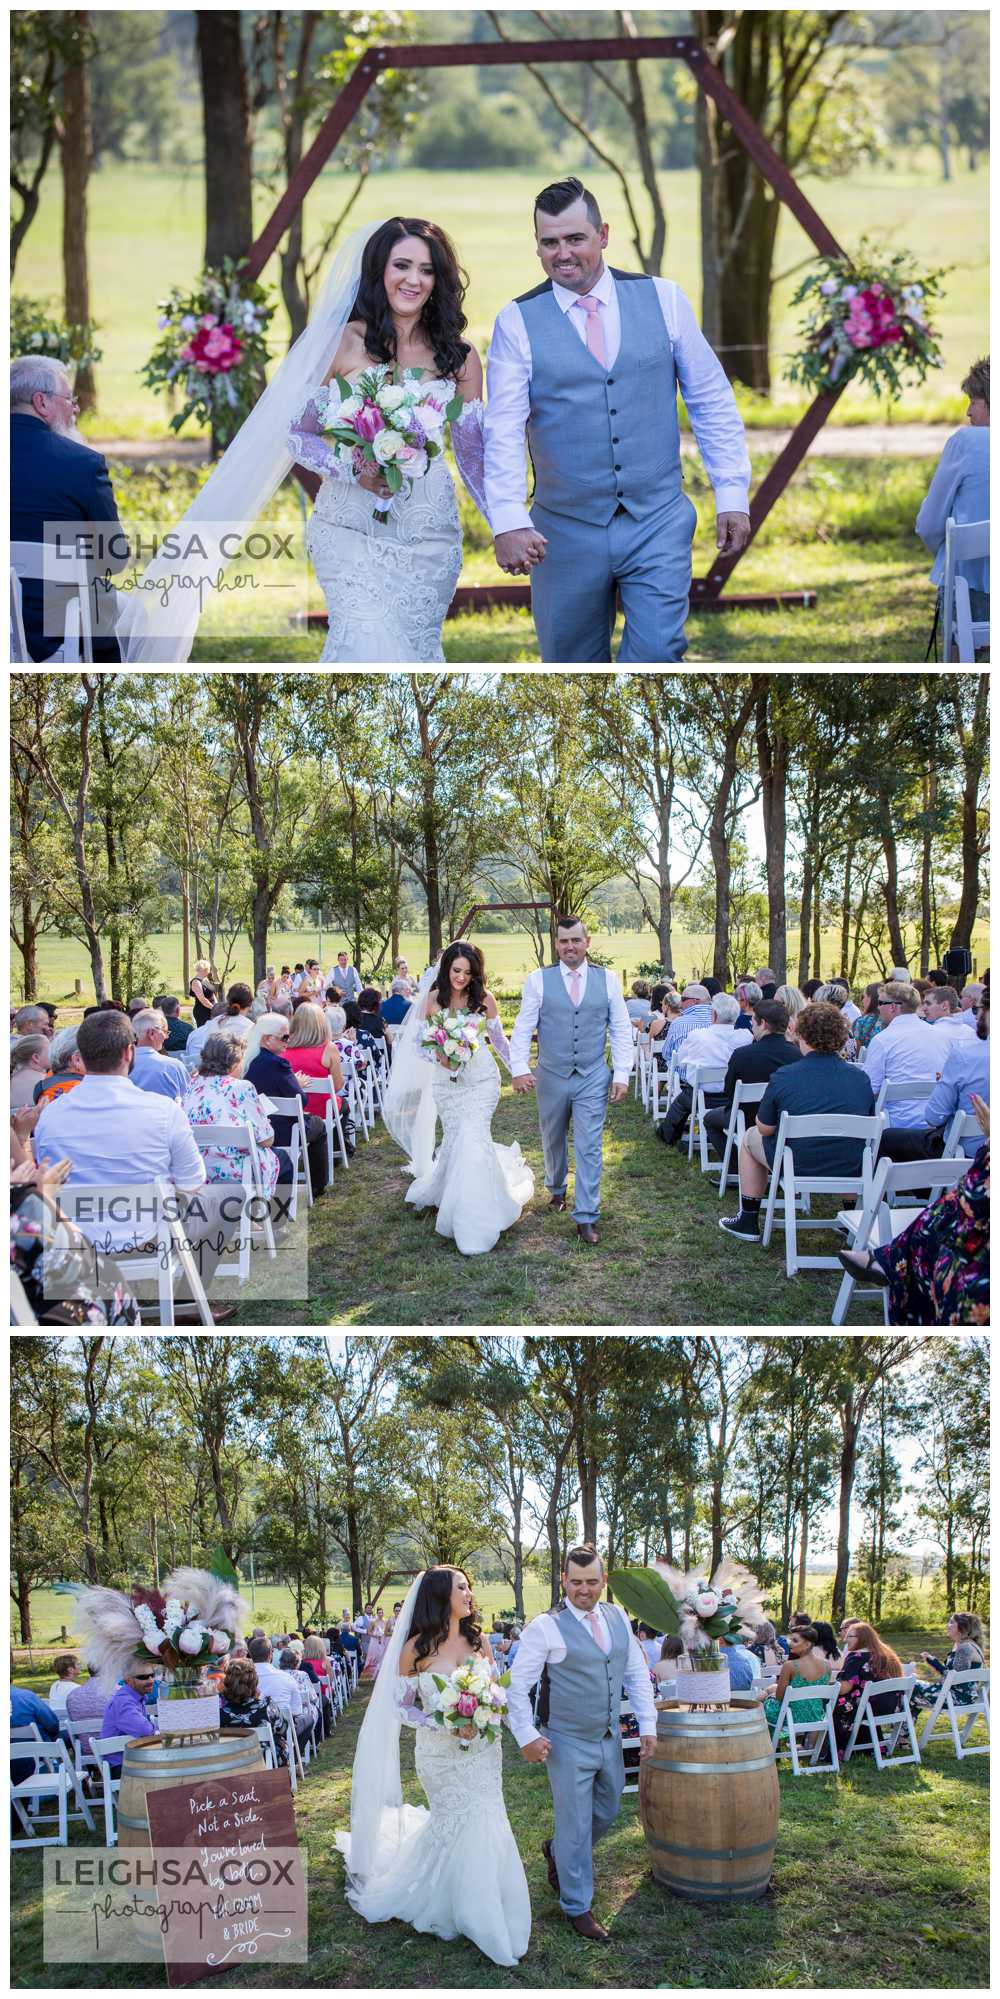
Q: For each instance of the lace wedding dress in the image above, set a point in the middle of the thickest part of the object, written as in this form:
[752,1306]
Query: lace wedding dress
[387,584]
[478,1187]
[455,1870]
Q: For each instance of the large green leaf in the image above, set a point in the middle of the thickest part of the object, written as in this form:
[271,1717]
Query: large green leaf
[646,1596]
[222,1567]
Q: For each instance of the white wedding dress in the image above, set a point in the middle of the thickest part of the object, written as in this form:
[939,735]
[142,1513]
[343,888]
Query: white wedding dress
[453,1870]
[477,1186]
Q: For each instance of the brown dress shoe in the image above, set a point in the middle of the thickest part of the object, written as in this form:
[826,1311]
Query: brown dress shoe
[551,1865]
[558,1202]
[587,1232]
[585,1926]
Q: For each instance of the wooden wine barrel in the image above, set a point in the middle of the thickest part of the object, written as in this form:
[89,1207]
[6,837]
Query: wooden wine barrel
[153,1763]
[709,1803]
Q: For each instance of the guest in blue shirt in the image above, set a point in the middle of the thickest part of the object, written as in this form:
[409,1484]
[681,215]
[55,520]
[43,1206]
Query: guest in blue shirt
[178,1031]
[27,1708]
[966,1074]
[741,1663]
[163,1074]
[126,1712]
[960,489]
[397,1006]
[696,1011]
[821,1084]
[268,1068]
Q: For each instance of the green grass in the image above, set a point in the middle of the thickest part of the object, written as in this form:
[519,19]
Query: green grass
[880,1881]
[147,233]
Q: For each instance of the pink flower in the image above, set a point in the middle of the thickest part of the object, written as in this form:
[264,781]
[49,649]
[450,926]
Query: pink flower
[368,422]
[210,319]
[467,1704]
[214,350]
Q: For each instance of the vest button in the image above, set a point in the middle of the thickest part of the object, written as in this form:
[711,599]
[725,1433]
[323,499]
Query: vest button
[611,380]
[615,440]
[618,468]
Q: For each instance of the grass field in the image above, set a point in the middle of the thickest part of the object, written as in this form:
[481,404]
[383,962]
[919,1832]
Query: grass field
[509,957]
[880,1881]
[146,234]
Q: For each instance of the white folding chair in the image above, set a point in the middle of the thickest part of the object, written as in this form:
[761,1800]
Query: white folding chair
[916,1090]
[898,1725]
[744,1094]
[964,541]
[297,1147]
[256,1204]
[111,1781]
[32,561]
[704,1078]
[633,1741]
[964,1124]
[296,1767]
[799,1187]
[874,1224]
[335,1140]
[21,1313]
[664,1086]
[156,1207]
[55,1776]
[357,1098]
[961,1716]
[789,1724]
[265,1736]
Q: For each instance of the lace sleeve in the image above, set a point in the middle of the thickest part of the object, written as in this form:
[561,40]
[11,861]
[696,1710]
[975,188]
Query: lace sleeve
[467,444]
[498,1039]
[307,446]
[408,1707]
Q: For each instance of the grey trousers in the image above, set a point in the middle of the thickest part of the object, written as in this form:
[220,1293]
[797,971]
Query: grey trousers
[584,1098]
[587,1780]
[574,592]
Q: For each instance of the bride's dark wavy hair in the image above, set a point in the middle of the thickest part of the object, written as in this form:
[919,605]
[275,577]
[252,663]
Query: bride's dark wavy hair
[477,981]
[431,1619]
[442,318]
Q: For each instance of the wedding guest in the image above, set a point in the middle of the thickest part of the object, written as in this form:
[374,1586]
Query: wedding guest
[970,996]
[714,1044]
[221,1094]
[29,1065]
[306,1724]
[31,1020]
[57,477]
[217,1023]
[650,1642]
[826,1641]
[748,993]
[66,1667]
[907,1049]
[312,1055]
[346,978]
[766,1645]
[243,1705]
[966,1654]
[960,490]
[28,1710]
[371,1024]
[868,1022]
[164,1075]
[741,1664]
[178,1030]
[795,1000]
[672,1660]
[280,1687]
[754,1062]
[397,1006]
[937,1271]
[964,1077]
[867,1661]
[943,1008]
[767,979]
[802,1668]
[638,1006]
[267,1067]
[87,1700]
[202,993]
[126,1712]
[696,1011]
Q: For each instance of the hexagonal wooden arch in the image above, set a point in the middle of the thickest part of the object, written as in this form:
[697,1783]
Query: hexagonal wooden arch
[706,591]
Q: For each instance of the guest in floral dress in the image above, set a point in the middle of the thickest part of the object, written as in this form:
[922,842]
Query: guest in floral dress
[242,1705]
[868,1659]
[868,1023]
[219,1094]
[966,1634]
[937,1272]
[54,1261]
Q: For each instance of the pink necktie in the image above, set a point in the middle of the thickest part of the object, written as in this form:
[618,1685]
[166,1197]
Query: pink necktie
[597,1630]
[574,988]
[595,331]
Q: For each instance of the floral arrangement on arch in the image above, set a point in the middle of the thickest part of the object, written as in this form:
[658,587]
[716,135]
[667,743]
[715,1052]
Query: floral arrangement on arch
[37,329]
[213,349]
[867,318]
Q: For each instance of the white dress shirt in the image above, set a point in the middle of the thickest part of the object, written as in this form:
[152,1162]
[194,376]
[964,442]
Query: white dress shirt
[909,1047]
[708,398]
[619,1025]
[116,1134]
[713,1044]
[279,1687]
[542,1644]
[955,1026]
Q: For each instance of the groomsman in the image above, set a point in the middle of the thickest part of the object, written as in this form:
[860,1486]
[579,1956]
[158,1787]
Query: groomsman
[346,978]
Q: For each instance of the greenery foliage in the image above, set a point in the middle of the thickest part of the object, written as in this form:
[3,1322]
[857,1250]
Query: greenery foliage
[37,328]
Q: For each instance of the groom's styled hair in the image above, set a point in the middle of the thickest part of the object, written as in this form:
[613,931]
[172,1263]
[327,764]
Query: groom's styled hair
[562,194]
[582,1555]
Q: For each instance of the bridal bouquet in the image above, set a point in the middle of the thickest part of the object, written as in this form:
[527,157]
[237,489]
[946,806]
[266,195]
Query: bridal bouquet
[451,1038]
[867,317]
[470,1695]
[396,425]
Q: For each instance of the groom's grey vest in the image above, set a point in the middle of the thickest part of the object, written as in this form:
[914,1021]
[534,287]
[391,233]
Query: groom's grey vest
[602,440]
[572,1038]
[585,1688]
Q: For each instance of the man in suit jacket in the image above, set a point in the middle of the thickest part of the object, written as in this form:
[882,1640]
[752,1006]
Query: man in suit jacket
[757,1063]
[55,477]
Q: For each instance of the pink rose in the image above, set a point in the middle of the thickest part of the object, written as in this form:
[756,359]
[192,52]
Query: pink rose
[467,1704]
[368,422]
[210,319]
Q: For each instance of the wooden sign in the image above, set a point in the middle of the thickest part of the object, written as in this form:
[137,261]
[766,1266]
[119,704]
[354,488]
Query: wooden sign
[231,1881]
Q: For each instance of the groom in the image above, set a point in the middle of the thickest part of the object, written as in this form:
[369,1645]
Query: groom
[582,1656]
[573,1006]
[588,366]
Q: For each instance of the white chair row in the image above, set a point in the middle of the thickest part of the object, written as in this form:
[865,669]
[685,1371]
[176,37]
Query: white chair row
[891,1738]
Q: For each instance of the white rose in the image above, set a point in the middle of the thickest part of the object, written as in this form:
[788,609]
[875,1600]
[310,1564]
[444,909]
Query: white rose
[387,446]
[449,1699]
[347,409]
[430,419]
[482,1716]
[706,1602]
[191,1639]
[391,397]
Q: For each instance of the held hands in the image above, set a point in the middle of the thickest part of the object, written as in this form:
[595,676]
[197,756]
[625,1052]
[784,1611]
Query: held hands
[522,1084]
[537,1751]
[732,532]
[519,550]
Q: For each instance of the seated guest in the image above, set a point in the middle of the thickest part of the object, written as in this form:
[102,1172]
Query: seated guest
[312,1054]
[316,1663]
[66,1667]
[65,1067]
[740,1662]
[137,1003]
[767,979]
[802,1668]
[371,1024]
[810,988]
[650,1642]
[267,1067]
[350,1640]
[907,1049]
[638,1005]
[56,1263]
[966,1634]
[29,1065]
[87,1700]
[56,477]
[867,1661]
[31,1020]
[943,1008]
[714,1044]
[820,1085]
[126,1712]
[970,997]
[792,998]
[839,994]
[216,1022]
[868,1022]
[397,1006]
[401,970]
[765,1644]
[242,1704]
[960,490]
[178,1030]
[221,1094]
[747,992]
[659,1019]
[239,1000]
[826,1642]
[306,1723]
[937,1271]
[163,1074]
[696,1011]
[28,1710]
[280,1687]
[964,1077]
[672,1660]
[202,992]
[755,1062]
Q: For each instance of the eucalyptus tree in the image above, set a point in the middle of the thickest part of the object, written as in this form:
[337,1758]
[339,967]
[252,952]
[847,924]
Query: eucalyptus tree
[953,1405]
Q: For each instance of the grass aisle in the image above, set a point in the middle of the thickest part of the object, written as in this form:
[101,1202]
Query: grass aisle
[879,1881]
[662,1259]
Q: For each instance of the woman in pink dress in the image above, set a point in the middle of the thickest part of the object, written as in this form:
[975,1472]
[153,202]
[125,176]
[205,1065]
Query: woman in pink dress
[378,1639]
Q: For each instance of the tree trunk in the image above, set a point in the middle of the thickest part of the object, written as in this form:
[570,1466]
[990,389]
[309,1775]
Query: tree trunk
[75,154]
[805,917]
[227,141]
[24,1605]
[891,889]
[845,910]
[848,1467]
[772,761]
[718,843]
[974,739]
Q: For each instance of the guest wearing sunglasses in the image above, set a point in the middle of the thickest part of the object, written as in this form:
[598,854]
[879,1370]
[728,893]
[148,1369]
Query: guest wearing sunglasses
[268,1068]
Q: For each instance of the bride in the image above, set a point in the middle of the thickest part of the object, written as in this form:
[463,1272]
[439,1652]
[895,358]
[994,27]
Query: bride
[452,1870]
[394,294]
[478,1187]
